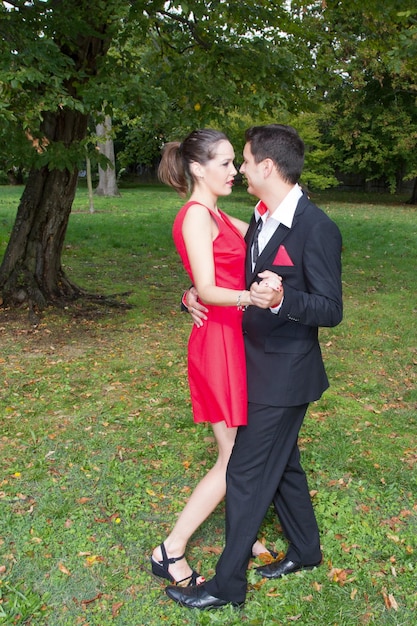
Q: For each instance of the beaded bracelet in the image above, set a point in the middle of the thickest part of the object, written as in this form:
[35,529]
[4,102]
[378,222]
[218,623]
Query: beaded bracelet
[240,307]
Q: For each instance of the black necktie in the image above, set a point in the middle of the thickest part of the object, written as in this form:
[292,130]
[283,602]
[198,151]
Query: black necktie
[255,245]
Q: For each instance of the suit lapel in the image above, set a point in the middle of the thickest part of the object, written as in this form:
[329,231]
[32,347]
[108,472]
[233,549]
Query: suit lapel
[270,248]
[251,231]
[272,245]
[249,239]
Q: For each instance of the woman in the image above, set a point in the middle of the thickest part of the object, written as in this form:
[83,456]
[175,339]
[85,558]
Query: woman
[212,248]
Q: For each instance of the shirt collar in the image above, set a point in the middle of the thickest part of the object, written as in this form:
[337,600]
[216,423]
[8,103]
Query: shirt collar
[261,208]
[284,213]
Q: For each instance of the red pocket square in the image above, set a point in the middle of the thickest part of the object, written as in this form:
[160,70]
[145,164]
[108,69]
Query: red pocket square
[282,257]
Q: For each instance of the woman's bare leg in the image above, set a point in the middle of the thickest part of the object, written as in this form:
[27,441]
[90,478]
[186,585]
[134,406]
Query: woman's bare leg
[209,492]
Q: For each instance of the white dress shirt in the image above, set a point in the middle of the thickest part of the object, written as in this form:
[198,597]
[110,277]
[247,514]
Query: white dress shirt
[283,214]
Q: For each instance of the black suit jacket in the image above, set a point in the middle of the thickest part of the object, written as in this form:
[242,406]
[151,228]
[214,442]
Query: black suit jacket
[284,361]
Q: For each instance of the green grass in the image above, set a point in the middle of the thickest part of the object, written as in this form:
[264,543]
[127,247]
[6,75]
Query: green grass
[98,451]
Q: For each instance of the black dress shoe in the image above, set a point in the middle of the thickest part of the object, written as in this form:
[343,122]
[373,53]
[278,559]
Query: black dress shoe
[282,568]
[196,597]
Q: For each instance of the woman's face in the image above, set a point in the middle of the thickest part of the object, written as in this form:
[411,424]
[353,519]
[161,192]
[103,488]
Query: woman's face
[219,173]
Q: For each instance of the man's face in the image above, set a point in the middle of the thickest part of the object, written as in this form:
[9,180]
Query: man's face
[252,171]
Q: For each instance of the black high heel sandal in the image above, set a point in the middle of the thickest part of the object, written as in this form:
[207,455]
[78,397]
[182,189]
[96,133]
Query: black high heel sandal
[161,569]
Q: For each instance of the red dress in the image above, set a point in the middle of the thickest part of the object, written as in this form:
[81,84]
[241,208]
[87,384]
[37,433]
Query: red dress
[216,355]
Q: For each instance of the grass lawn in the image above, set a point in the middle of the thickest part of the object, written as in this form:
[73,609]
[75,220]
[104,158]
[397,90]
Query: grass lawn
[98,451]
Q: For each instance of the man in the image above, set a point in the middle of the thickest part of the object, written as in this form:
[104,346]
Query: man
[296,243]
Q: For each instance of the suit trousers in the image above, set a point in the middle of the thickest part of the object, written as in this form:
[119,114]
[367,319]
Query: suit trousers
[265,467]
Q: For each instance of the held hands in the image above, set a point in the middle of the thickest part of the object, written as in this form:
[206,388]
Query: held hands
[195,308]
[269,292]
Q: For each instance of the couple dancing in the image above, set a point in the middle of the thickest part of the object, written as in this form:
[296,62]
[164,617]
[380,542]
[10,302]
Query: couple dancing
[280,280]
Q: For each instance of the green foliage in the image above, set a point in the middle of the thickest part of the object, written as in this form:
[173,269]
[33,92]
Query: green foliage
[167,67]
[53,59]
[318,172]
[159,68]
[210,65]
[99,452]
[365,55]
[380,141]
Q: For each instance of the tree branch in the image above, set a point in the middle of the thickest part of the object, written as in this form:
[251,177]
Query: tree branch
[192,27]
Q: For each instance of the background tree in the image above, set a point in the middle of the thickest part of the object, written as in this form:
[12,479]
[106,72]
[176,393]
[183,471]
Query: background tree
[53,71]
[401,62]
[56,70]
[107,183]
[366,73]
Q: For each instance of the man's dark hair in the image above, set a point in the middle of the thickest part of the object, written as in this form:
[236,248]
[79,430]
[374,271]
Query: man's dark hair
[282,144]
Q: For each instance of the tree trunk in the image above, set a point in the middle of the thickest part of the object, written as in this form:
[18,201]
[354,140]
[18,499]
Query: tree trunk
[31,270]
[107,185]
[413,199]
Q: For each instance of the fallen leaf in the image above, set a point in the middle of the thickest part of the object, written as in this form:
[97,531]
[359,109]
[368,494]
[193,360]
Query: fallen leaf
[97,597]
[116,608]
[266,557]
[63,569]
[36,540]
[94,558]
[347,549]
[390,601]
[212,549]
[340,576]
